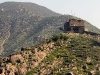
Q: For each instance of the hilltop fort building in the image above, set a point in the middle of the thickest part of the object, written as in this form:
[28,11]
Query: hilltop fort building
[74,26]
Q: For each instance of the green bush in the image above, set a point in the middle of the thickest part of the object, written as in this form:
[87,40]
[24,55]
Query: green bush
[59,36]
[32,71]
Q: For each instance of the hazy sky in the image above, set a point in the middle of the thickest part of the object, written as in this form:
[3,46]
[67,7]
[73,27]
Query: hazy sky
[86,9]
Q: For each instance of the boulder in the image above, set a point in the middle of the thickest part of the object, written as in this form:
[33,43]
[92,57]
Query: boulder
[2,71]
[16,59]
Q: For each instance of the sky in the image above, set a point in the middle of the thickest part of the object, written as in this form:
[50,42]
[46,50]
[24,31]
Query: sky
[88,10]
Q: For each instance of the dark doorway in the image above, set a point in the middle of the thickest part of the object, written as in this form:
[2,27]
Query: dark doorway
[76,29]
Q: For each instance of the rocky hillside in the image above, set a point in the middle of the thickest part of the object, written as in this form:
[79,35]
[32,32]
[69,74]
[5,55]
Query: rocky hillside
[25,24]
[63,54]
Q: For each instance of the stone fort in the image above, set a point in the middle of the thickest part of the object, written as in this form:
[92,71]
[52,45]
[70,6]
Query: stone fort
[74,26]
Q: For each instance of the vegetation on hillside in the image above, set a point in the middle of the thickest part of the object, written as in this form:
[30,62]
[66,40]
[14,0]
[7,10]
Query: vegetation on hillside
[75,54]
[25,24]
[62,54]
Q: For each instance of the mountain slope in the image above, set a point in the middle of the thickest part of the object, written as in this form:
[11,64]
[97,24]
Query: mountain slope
[25,24]
[63,54]
[16,9]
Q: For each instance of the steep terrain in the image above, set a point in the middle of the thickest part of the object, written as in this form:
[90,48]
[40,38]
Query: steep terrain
[25,24]
[63,54]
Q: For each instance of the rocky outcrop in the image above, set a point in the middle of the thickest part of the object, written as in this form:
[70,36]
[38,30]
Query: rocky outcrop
[27,59]
[16,58]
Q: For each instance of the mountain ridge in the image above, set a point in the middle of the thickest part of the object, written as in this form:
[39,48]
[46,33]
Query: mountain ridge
[26,7]
[25,29]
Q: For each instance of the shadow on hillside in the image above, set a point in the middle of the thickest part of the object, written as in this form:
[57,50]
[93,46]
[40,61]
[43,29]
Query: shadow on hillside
[96,43]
